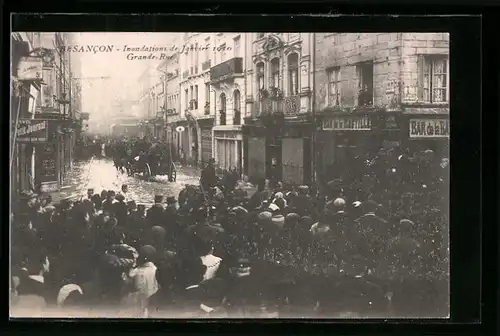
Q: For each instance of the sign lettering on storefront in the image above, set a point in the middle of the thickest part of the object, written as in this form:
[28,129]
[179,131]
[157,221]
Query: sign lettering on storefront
[347,123]
[29,68]
[32,130]
[429,128]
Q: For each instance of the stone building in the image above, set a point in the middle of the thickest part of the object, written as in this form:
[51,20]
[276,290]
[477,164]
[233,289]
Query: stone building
[42,114]
[278,126]
[227,86]
[194,62]
[375,90]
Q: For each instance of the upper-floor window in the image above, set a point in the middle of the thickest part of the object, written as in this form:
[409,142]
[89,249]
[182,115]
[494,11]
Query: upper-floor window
[260,75]
[186,98]
[207,49]
[365,83]
[435,78]
[222,112]
[223,52]
[293,74]
[275,73]
[334,87]
[237,46]
[237,108]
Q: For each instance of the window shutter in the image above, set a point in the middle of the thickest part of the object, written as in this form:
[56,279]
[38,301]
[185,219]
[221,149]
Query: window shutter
[420,78]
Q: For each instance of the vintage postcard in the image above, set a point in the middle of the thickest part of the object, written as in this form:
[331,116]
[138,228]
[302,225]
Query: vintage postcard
[230,174]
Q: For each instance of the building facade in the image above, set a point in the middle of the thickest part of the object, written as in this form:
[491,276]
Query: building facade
[196,118]
[227,88]
[43,118]
[171,77]
[279,127]
[378,90]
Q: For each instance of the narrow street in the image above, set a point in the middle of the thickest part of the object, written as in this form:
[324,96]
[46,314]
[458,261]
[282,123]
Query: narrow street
[100,174]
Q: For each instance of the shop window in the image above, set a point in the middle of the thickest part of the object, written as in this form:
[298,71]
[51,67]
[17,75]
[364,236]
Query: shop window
[365,83]
[293,74]
[222,112]
[334,87]
[434,78]
[237,108]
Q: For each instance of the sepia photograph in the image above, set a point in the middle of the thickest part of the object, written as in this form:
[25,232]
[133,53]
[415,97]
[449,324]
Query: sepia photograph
[230,175]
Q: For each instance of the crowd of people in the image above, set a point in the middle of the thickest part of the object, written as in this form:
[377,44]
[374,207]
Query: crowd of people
[371,244]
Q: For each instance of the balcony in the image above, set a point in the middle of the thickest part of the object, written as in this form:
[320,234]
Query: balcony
[227,70]
[185,74]
[268,106]
[206,65]
[292,106]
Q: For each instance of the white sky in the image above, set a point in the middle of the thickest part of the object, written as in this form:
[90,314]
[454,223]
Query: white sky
[99,95]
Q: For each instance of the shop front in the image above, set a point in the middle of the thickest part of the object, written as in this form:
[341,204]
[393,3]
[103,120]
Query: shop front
[427,131]
[228,147]
[278,148]
[205,139]
[342,138]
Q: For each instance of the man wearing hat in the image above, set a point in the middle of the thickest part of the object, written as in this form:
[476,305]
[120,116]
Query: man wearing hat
[208,176]
[155,214]
[124,192]
[90,193]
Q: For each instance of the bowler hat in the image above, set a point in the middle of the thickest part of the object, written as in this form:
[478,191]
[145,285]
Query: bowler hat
[171,200]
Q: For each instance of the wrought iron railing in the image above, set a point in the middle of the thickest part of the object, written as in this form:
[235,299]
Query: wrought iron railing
[292,105]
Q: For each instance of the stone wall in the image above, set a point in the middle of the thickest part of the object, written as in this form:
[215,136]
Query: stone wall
[345,50]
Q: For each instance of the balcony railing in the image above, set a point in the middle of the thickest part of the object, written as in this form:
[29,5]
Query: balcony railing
[268,106]
[207,109]
[205,65]
[185,74]
[292,106]
[227,69]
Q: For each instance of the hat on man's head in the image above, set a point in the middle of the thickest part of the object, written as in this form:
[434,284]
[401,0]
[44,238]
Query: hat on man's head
[303,189]
[356,204]
[147,251]
[158,231]
[90,189]
[158,199]
[265,216]
[370,206]
[273,208]
[171,200]
[120,197]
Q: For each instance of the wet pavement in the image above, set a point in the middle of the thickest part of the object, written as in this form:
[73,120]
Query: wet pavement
[100,174]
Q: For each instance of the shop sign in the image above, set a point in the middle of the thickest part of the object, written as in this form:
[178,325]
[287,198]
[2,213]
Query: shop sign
[391,122]
[429,128]
[29,68]
[32,130]
[347,123]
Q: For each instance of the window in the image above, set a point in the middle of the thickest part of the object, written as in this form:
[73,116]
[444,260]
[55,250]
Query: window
[237,46]
[260,75]
[222,109]
[334,87]
[191,97]
[187,98]
[207,49]
[223,52]
[260,35]
[365,83]
[434,78]
[196,96]
[237,108]
[196,58]
[275,73]
[207,93]
[293,74]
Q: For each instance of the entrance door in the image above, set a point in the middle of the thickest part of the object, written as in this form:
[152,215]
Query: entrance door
[274,158]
